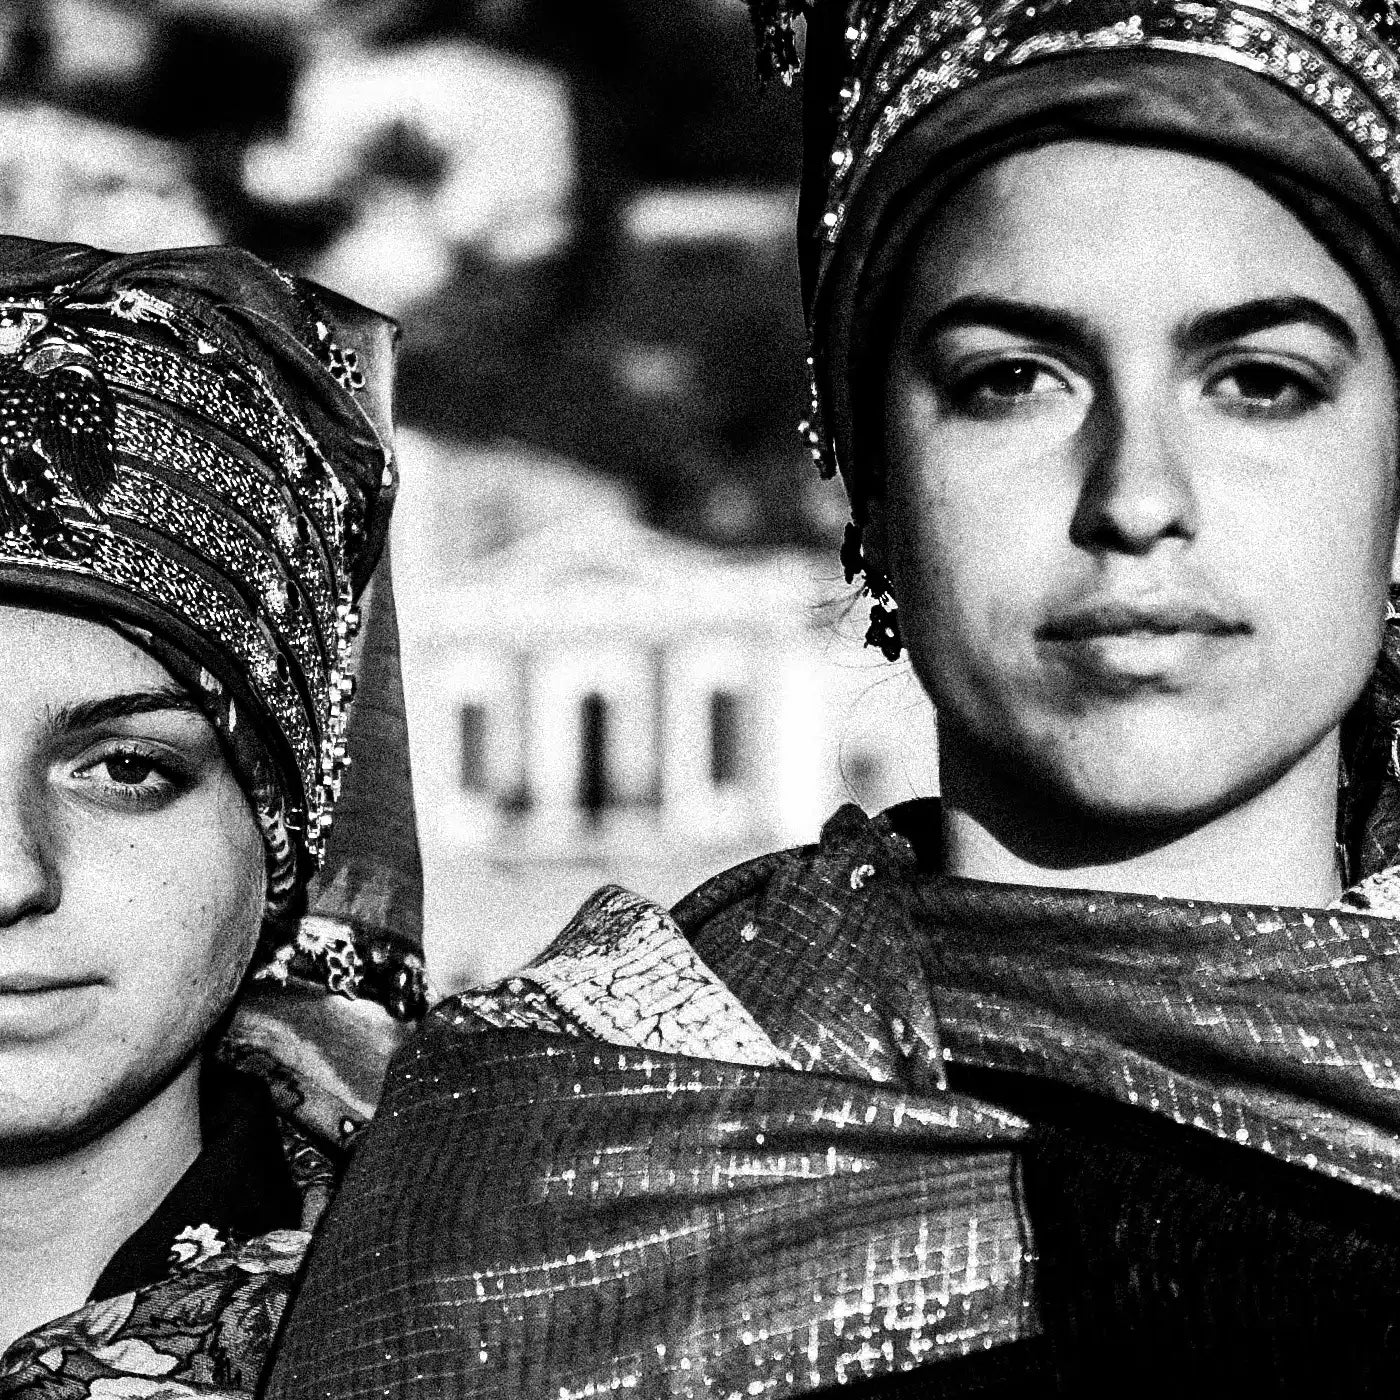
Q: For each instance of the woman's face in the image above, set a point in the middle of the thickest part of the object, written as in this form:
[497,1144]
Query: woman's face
[131,879]
[1140,503]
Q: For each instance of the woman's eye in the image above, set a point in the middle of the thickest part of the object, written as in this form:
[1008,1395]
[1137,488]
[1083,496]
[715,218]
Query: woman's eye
[1264,389]
[1004,386]
[129,769]
[131,776]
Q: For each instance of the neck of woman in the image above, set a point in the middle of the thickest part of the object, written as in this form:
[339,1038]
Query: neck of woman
[63,1216]
[1276,846]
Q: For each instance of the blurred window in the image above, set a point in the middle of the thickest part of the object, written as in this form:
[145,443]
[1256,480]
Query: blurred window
[726,738]
[473,728]
[594,789]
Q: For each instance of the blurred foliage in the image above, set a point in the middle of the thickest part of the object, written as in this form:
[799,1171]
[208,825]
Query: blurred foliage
[674,365]
[706,439]
[663,94]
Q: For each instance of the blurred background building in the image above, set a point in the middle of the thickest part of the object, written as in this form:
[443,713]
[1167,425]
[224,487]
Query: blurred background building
[628,648]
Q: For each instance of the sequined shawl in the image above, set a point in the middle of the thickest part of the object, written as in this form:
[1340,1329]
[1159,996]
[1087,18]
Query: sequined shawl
[779,1140]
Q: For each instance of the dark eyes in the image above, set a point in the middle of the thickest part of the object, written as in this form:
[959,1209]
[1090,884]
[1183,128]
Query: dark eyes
[1004,386]
[1264,389]
[132,775]
[130,769]
[1252,388]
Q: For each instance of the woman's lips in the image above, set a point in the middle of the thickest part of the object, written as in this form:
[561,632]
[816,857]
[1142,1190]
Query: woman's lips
[21,982]
[34,1006]
[1121,646]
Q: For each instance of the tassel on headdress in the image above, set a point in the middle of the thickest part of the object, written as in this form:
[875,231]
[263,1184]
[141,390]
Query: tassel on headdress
[775,26]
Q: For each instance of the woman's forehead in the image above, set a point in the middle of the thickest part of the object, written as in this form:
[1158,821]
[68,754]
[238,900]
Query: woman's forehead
[46,651]
[1125,225]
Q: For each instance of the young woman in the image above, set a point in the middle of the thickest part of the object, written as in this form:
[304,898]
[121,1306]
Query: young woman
[194,485]
[1084,1077]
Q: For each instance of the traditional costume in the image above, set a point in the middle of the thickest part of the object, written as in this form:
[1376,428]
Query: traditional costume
[195,450]
[839,1120]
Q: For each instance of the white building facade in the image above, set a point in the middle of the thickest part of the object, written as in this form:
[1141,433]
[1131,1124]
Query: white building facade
[593,700]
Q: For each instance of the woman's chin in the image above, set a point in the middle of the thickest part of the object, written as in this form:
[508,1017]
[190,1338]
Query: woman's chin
[54,1102]
[37,1126]
[1153,783]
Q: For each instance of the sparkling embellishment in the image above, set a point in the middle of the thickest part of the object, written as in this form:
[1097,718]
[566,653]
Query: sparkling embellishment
[145,436]
[774,23]
[17,325]
[277,596]
[1333,58]
[56,426]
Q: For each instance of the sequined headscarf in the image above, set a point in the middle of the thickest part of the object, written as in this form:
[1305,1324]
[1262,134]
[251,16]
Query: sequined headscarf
[196,450]
[905,99]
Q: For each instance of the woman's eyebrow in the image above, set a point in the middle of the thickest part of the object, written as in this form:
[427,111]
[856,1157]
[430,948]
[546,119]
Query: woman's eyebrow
[1265,313]
[88,714]
[1022,318]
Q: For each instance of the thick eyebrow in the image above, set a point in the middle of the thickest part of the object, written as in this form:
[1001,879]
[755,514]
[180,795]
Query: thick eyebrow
[1021,318]
[1250,317]
[1035,322]
[89,714]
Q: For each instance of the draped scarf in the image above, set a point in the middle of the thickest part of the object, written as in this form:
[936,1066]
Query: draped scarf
[768,1157]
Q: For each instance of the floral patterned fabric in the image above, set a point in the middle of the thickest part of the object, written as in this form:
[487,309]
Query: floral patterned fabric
[193,1301]
[206,1329]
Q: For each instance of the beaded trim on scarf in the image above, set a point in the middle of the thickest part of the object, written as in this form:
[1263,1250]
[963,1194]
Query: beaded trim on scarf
[349,962]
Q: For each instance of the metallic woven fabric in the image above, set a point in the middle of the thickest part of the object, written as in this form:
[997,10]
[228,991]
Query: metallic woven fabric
[730,1163]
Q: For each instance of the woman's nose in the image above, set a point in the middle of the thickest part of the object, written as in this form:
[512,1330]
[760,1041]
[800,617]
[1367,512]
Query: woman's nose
[1136,488]
[29,877]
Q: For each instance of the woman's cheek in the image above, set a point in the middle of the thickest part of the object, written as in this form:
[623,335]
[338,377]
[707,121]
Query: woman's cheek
[224,935]
[193,907]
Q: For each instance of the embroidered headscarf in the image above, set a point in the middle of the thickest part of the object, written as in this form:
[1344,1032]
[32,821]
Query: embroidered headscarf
[195,448]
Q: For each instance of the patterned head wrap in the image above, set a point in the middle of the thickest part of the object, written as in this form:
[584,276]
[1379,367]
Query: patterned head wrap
[905,98]
[195,449]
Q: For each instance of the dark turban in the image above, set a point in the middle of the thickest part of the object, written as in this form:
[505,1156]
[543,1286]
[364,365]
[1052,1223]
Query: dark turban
[195,448]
